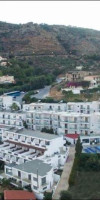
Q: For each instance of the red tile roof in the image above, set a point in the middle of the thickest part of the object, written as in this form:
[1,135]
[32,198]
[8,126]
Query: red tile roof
[72,136]
[18,195]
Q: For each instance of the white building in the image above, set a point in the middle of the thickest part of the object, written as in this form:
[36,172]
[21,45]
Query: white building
[45,106]
[14,119]
[31,154]
[7,101]
[61,122]
[36,174]
[24,145]
[83,107]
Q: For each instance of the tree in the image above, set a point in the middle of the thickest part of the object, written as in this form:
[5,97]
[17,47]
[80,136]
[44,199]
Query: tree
[5,182]
[47,196]
[14,107]
[65,195]
[78,147]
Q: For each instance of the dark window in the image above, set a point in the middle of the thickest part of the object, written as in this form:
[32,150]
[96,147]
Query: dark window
[85,140]
[35,187]
[29,176]
[19,174]
[35,179]
[43,180]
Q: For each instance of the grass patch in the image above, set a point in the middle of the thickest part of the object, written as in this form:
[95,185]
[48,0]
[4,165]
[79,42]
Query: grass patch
[87,186]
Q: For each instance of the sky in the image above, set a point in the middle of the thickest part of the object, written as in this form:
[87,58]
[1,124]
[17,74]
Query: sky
[75,13]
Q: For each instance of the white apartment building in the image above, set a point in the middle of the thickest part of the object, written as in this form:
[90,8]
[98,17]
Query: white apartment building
[36,174]
[61,122]
[83,107]
[11,118]
[24,145]
[31,158]
[7,101]
[80,107]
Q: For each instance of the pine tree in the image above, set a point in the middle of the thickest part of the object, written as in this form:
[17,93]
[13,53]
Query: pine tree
[78,147]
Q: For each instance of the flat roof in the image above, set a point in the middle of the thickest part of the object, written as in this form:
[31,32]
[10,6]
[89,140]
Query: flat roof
[35,166]
[37,134]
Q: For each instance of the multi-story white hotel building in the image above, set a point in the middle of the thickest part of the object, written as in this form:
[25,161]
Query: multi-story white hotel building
[81,118]
[31,157]
[80,107]
[24,145]
[61,122]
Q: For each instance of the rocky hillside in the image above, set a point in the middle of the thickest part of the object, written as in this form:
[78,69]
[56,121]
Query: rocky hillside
[51,47]
[33,39]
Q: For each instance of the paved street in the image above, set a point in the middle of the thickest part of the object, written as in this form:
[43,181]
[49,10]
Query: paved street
[63,184]
[42,93]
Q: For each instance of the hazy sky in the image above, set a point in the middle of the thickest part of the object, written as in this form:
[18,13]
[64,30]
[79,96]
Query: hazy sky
[75,13]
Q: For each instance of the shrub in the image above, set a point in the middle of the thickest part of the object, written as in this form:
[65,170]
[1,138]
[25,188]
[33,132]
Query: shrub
[65,195]
[47,196]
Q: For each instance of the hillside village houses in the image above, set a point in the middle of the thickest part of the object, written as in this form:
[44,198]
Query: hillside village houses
[31,157]
[7,79]
[76,75]
[94,80]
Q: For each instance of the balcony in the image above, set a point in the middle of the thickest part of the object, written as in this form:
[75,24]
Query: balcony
[82,121]
[73,122]
[8,172]
[86,128]
[26,180]
[28,116]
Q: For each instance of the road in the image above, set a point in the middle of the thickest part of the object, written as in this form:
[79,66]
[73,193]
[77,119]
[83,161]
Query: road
[44,92]
[63,183]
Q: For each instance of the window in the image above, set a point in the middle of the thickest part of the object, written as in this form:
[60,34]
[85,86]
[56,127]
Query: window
[50,107]
[85,140]
[35,188]
[29,176]
[66,131]
[35,179]
[81,106]
[43,180]
[47,143]
[86,119]
[88,107]
[75,126]
[19,174]
[58,107]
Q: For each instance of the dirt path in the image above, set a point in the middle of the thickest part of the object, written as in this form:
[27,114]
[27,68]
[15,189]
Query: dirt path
[63,184]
